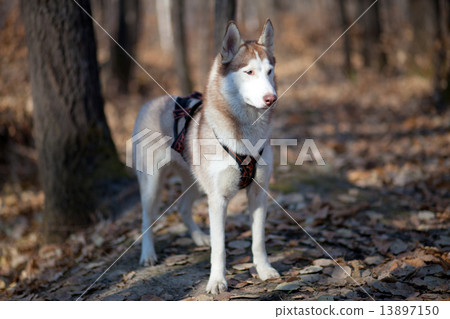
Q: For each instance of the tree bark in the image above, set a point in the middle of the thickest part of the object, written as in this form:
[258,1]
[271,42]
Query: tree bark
[421,17]
[372,51]
[126,35]
[442,64]
[165,25]
[205,56]
[347,44]
[180,54]
[77,157]
[224,11]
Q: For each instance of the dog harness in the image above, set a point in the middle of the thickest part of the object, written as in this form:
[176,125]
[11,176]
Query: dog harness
[246,163]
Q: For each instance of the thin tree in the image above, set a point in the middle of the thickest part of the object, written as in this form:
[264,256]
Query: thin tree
[127,31]
[442,64]
[347,44]
[204,21]
[372,49]
[224,11]
[77,157]
[164,26]
[422,20]
[180,54]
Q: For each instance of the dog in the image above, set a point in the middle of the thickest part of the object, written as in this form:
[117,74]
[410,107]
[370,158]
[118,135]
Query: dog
[237,110]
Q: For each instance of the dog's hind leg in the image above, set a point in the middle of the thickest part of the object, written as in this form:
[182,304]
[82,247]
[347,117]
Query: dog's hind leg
[185,208]
[150,197]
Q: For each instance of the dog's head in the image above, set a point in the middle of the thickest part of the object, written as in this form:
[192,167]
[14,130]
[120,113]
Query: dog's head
[248,68]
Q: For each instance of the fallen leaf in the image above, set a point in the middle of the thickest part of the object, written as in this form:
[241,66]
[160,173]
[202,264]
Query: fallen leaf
[244,259]
[176,274]
[403,290]
[429,270]
[346,198]
[443,241]
[245,234]
[436,283]
[239,244]
[341,272]
[224,296]
[415,262]
[241,284]
[426,215]
[151,298]
[403,271]
[323,262]
[397,288]
[204,297]
[374,260]
[310,270]
[253,272]
[325,298]
[177,260]
[128,276]
[382,244]
[307,279]
[236,252]
[245,296]
[344,232]
[288,286]
[398,246]
[183,242]
[243,266]
[94,265]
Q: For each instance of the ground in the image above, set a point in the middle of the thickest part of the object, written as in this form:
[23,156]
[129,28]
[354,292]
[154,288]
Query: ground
[380,207]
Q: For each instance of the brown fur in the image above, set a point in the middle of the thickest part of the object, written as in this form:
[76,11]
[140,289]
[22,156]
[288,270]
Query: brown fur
[244,55]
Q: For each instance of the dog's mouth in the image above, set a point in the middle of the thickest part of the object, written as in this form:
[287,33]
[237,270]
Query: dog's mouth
[262,107]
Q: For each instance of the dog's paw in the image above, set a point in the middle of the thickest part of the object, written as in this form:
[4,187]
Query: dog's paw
[200,238]
[148,259]
[216,286]
[267,272]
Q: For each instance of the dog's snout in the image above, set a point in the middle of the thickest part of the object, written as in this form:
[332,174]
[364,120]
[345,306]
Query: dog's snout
[269,99]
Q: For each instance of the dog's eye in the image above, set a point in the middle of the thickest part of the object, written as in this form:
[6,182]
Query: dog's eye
[269,72]
[249,72]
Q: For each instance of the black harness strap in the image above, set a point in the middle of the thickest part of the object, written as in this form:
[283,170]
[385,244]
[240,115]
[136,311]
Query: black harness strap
[247,166]
[246,163]
[182,109]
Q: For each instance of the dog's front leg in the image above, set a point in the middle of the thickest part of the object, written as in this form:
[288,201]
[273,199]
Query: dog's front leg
[217,214]
[257,202]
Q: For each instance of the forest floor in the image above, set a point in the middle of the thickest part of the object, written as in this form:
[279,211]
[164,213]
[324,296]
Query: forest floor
[380,208]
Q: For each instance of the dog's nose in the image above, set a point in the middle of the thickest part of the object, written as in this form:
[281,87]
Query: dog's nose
[269,99]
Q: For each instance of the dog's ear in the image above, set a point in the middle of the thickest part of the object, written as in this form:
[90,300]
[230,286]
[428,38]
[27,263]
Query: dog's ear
[266,38]
[231,42]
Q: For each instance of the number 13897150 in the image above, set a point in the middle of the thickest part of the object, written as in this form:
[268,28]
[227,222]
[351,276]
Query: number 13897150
[409,310]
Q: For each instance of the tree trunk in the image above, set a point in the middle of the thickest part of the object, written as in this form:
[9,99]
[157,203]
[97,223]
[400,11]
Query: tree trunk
[442,65]
[422,20]
[127,36]
[164,25]
[347,45]
[180,54]
[372,51]
[205,56]
[224,11]
[77,157]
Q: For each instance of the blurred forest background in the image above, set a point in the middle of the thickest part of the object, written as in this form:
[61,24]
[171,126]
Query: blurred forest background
[376,104]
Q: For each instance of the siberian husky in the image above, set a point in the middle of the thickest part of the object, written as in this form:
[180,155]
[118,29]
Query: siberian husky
[240,90]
